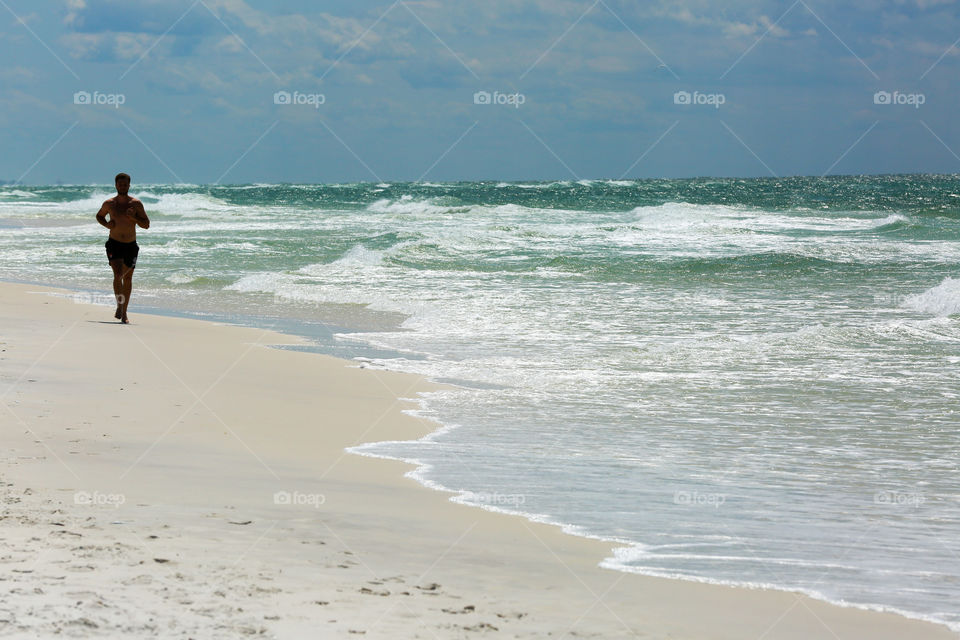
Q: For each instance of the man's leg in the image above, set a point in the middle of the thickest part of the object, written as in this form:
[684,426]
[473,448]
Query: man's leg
[118,269]
[127,289]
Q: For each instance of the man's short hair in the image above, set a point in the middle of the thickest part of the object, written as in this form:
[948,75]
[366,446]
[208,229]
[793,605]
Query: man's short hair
[120,175]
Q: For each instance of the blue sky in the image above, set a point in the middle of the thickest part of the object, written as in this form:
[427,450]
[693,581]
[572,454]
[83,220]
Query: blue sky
[239,91]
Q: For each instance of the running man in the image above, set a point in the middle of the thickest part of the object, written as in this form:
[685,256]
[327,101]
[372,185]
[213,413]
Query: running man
[126,214]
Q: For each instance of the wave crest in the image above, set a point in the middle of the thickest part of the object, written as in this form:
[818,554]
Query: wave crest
[942,300]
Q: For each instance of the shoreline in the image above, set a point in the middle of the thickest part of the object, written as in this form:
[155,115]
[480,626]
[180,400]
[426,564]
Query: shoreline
[612,563]
[515,560]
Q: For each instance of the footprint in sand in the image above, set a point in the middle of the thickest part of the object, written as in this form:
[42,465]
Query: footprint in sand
[82,568]
[515,615]
[467,609]
[83,622]
[258,590]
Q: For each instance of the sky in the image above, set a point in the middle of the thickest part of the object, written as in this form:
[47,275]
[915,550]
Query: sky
[301,91]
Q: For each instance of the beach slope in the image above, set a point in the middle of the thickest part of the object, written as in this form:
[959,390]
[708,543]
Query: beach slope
[179,478]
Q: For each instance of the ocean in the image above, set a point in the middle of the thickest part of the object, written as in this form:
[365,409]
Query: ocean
[739,381]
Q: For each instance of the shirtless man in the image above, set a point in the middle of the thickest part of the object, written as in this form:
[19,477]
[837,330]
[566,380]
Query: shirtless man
[126,214]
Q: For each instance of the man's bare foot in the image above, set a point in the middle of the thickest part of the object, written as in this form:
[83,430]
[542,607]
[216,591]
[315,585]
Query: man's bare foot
[118,314]
[124,320]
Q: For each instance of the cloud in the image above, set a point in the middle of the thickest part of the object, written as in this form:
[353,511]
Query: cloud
[74,7]
[757,26]
[111,31]
[772,28]
[230,44]
[334,33]
[84,46]
[211,77]
[15,74]
[739,29]
[926,4]
[113,47]
[179,17]
[934,49]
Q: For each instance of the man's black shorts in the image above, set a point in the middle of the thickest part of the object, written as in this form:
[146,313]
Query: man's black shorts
[126,251]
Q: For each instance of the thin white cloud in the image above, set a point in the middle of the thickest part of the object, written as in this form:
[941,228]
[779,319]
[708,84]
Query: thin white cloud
[17,74]
[771,28]
[74,7]
[130,46]
[111,47]
[83,46]
[230,44]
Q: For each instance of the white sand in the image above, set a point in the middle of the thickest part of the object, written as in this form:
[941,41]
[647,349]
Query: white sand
[181,432]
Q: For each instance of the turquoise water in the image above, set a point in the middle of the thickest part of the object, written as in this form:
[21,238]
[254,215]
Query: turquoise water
[744,381]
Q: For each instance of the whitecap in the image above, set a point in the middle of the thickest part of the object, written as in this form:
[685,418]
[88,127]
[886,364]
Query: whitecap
[941,300]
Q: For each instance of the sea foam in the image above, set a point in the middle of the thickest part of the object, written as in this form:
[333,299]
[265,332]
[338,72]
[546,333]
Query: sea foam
[941,300]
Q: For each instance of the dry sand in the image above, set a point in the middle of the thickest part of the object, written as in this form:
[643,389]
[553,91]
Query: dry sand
[177,478]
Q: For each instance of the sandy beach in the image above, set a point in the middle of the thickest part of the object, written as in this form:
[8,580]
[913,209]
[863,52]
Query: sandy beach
[180,478]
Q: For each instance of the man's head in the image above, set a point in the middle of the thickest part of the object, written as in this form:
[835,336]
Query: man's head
[123,183]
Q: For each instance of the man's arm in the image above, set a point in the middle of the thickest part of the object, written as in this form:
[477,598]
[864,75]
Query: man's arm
[102,217]
[139,215]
